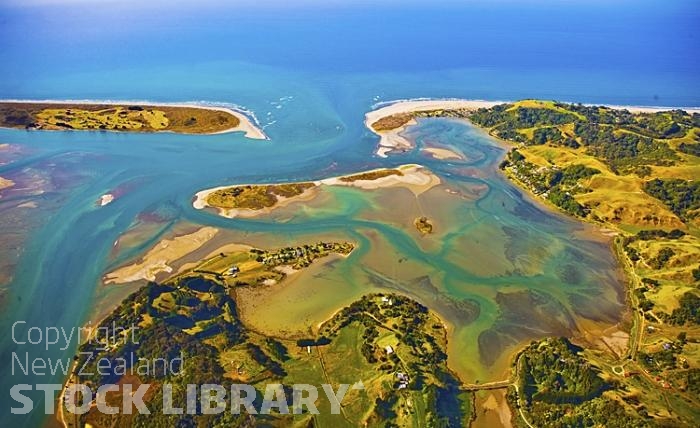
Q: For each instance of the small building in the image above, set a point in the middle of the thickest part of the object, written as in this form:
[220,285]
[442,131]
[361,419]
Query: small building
[403,380]
[389,349]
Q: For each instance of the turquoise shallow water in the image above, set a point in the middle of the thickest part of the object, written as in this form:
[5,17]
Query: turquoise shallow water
[524,247]
[309,74]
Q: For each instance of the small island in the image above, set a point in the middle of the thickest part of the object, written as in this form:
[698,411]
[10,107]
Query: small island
[252,200]
[423,225]
[125,117]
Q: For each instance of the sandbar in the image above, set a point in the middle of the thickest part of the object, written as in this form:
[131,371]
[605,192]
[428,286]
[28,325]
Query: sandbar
[5,183]
[158,259]
[416,178]
[105,199]
[442,154]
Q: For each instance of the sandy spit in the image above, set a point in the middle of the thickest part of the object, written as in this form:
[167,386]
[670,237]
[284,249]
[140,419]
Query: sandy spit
[245,125]
[393,140]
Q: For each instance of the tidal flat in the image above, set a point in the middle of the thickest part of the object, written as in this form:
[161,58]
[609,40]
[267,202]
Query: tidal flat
[492,248]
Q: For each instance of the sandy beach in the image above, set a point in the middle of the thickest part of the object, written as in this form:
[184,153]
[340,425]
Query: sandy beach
[647,109]
[416,178]
[158,258]
[245,125]
[393,140]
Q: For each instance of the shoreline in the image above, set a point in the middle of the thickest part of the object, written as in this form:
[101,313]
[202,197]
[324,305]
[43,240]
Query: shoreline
[479,103]
[392,140]
[200,202]
[246,121]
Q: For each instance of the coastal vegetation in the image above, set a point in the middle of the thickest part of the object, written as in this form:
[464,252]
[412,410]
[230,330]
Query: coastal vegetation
[108,117]
[398,120]
[389,123]
[681,196]
[558,387]
[260,196]
[624,140]
[558,185]
[405,343]
[371,175]
[255,197]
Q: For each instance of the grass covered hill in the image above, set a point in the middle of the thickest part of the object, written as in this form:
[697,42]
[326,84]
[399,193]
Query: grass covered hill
[635,173]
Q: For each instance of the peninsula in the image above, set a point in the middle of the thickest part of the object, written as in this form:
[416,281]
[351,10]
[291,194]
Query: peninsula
[125,117]
[633,171]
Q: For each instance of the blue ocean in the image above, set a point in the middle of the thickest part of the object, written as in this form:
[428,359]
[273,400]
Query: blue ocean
[307,72]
